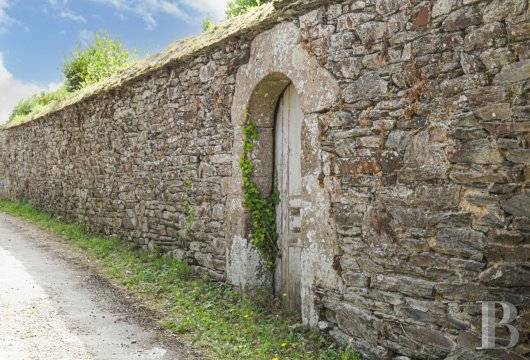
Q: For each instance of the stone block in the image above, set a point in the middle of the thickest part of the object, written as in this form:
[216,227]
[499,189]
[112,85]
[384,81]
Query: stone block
[455,219]
[350,21]
[522,50]
[495,59]
[388,7]
[502,9]
[377,230]
[430,337]
[442,7]
[349,68]
[403,284]
[484,36]
[368,87]
[506,275]
[518,205]
[457,85]
[458,242]
[358,167]
[356,279]
[486,95]
[506,236]
[515,72]
[422,18]
[469,340]
[518,156]
[462,18]
[496,128]
[519,32]
[469,64]
[433,43]
[371,31]
[390,161]
[508,253]
[464,292]
[354,320]
[476,152]
[467,134]
[424,158]
[405,218]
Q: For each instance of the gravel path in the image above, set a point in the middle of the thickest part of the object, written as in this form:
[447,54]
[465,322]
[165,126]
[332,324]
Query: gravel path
[54,306]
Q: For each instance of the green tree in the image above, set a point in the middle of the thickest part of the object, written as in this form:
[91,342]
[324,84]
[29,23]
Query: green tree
[101,58]
[238,7]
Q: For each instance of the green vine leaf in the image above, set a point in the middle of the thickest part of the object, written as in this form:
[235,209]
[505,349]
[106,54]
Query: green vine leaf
[262,210]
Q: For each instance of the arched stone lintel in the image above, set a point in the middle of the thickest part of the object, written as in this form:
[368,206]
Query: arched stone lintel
[263,101]
[276,59]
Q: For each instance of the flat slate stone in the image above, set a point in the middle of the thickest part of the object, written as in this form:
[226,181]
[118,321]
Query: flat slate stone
[515,72]
[519,205]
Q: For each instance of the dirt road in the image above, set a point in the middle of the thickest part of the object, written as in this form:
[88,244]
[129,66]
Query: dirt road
[53,306]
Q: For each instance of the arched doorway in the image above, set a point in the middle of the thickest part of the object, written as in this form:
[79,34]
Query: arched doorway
[288,174]
[277,60]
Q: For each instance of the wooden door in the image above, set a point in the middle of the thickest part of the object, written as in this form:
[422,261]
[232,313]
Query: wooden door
[288,152]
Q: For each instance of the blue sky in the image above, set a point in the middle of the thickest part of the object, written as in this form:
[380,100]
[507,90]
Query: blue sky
[35,35]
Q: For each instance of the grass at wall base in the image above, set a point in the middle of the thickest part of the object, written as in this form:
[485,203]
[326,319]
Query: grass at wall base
[209,314]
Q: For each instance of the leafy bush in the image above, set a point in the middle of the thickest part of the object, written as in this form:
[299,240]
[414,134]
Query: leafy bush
[206,24]
[262,209]
[37,103]
[102,57]
[238,7]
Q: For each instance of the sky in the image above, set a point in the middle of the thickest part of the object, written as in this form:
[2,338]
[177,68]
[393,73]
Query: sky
[36,35]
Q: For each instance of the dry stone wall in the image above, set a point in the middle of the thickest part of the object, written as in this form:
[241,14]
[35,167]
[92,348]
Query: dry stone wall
[145,161]
[424,161]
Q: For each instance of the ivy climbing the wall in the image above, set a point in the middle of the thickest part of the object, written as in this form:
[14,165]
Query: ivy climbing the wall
[262,209]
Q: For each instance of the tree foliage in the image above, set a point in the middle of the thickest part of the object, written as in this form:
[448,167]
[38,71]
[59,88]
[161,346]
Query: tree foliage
[206,24]
[101,58]
[37,103]
[238,7]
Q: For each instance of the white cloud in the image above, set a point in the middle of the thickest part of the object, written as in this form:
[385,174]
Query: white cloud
[72,16]
[215,9]
[5,20]
[146,9]
[55,2]
[149,9]
[14,90]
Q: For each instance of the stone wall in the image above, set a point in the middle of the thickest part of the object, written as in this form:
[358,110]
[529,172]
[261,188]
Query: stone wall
[146,161]
[416,175]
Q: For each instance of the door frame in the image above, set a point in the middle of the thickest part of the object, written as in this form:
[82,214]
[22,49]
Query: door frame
[277,59]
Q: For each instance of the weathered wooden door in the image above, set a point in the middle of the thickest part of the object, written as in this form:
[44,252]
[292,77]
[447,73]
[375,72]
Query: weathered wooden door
[288,152]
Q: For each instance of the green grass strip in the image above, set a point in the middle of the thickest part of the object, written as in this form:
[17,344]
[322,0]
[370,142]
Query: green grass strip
[209,314]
